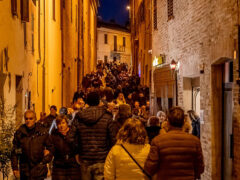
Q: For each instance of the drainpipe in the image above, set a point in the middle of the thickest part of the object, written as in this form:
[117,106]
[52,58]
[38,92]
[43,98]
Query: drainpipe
[44,58]
[39,41]
[78,57]
[62,49]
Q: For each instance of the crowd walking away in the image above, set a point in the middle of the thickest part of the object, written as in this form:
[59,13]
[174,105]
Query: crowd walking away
[108,133]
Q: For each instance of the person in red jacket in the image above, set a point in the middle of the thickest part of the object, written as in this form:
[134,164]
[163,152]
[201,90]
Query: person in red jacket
[175,155]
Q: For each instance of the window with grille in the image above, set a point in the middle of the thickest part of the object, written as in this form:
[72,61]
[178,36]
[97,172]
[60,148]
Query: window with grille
[105,38]
[25,10]
[155,14]
[170,9]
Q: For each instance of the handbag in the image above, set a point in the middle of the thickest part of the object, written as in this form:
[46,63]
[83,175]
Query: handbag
[144,172]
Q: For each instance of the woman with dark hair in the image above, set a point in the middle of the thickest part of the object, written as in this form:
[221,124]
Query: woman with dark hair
[126,159]
[65,165]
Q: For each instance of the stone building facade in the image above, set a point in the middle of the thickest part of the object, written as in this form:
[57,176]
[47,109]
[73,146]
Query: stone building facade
[202,36]
[43,51]
[79,30]
[141,35]
[114,42]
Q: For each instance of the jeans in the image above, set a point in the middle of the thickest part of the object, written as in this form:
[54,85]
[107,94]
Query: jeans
[92,171]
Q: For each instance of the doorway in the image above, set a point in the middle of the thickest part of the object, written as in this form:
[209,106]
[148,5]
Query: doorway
[222,82]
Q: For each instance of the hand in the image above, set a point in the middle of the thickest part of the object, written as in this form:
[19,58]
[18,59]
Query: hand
[46,152]
[16,173]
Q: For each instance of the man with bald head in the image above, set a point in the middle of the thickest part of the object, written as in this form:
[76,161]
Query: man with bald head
[31,150]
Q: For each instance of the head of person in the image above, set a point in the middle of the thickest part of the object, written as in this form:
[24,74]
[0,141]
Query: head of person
[193,115]
[62,123]
[153,121]
[124,112]
[141,94]
[93,99]
[120,96]
[53,110]
[147,103]
[143,108]
[176,117]
[133,132]
[130,96]
[136,104]
[161,115]
[30,118]
[108,94]
[79,103]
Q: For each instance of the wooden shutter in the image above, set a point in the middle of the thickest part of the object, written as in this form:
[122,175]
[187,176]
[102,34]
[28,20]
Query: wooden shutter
[25,10]
[170,9]
[54,9]
[14,7]
[155,14]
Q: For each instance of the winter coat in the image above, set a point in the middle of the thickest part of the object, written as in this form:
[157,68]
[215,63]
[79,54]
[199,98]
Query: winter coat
[64,163]
[196,127]
[93,127]
[152,132]
[28,151]
[120,166]
[48,121]
[175,155]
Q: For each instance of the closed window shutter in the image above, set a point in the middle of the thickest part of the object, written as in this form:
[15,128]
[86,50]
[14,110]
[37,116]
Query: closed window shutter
[155,15]
[170,9]
[54,10]
[25,10]
[14,7]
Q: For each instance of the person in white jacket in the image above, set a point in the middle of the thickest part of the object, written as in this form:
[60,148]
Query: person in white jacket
[119,165]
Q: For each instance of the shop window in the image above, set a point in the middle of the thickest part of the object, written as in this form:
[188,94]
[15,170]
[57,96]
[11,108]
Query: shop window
[25,10]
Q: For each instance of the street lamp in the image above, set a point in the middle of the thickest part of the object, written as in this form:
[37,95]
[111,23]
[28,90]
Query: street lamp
[175,67]
[128,7]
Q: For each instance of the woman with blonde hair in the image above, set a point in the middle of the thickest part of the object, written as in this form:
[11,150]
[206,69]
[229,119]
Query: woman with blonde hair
[126,159]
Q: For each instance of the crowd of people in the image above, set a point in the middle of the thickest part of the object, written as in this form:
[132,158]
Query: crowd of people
[107,133]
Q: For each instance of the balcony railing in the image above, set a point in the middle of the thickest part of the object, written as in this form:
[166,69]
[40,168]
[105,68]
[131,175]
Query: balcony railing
[119,49]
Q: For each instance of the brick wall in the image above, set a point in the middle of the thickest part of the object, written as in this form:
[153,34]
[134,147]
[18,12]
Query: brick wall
[202,31]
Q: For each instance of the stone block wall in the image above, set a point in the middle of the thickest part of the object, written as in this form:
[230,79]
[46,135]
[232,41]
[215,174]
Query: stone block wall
[202,31]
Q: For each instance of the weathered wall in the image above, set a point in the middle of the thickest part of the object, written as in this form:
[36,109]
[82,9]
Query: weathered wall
[202,31]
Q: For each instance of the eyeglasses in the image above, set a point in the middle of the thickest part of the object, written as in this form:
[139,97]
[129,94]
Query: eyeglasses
[31,118]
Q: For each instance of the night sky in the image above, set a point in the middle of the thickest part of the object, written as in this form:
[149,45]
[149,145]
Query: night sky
[114,9]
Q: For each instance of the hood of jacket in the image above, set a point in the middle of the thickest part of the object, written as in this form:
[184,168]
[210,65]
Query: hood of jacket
[91,115]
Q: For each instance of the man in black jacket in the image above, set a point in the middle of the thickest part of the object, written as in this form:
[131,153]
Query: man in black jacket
[93,127]
[31,150]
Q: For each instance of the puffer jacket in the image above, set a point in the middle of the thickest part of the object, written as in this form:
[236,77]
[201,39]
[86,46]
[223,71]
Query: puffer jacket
[28,151]
[94,129]
[175,155]
[64,163]
[120,166]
